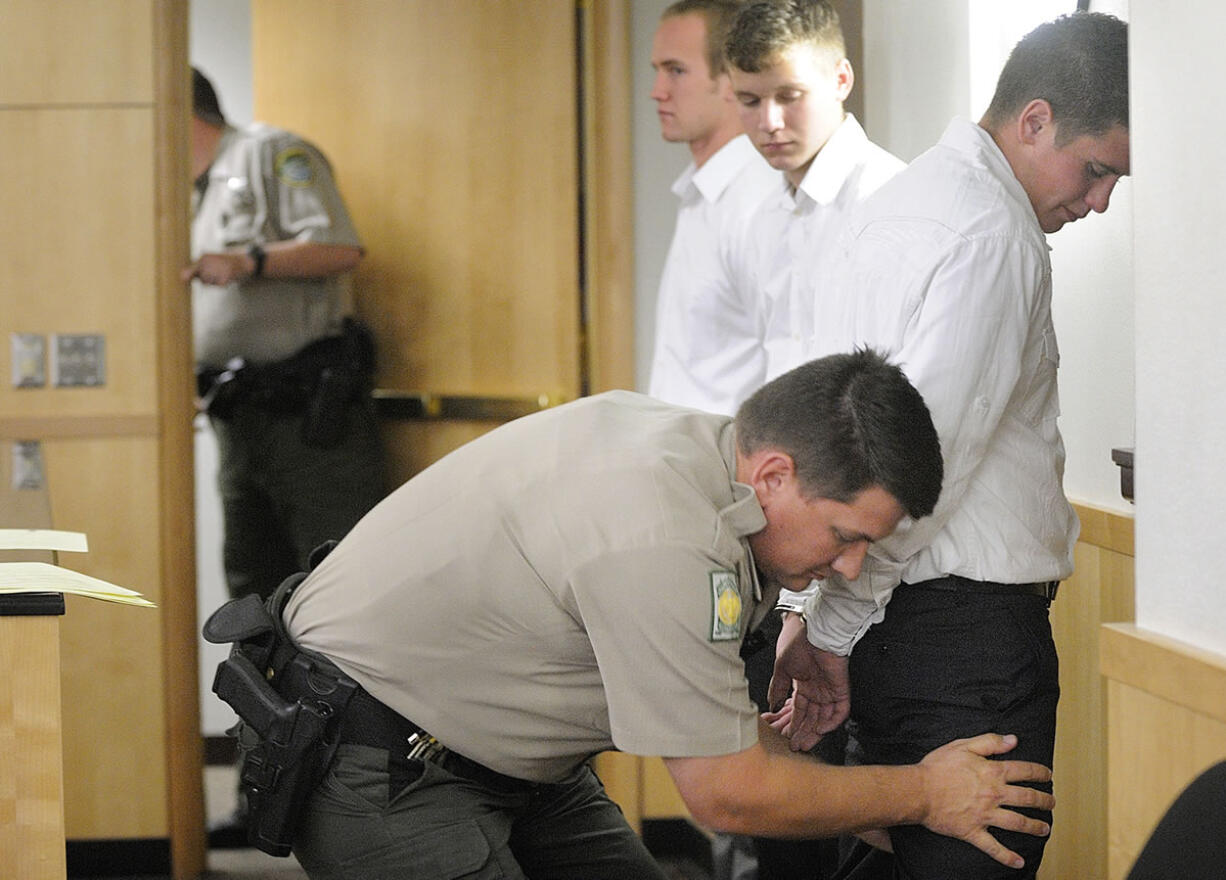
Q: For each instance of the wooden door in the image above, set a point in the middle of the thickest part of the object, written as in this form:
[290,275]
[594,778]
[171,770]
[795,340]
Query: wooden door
[454,130]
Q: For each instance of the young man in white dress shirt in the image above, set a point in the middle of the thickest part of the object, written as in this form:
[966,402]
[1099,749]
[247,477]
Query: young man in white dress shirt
[707,352]
[947,268]
[790,74]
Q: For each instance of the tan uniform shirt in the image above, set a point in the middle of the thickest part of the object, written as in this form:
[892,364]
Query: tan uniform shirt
[266,185]
[574,581]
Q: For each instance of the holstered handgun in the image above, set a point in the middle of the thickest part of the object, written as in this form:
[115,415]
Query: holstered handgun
[289,703]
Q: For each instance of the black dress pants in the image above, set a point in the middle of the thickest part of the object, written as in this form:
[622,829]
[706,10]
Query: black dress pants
[946,665]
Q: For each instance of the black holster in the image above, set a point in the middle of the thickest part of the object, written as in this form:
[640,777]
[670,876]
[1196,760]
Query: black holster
[289,703]
[319,382]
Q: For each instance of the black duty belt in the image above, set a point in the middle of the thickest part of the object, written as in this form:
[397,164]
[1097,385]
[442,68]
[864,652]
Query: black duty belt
[369,722]
[956,584]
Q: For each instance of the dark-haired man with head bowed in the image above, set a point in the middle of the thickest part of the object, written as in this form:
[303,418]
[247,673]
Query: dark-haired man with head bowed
[946,268]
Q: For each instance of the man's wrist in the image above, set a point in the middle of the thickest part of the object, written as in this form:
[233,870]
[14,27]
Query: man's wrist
[914,779]
[258,256]
[795,617]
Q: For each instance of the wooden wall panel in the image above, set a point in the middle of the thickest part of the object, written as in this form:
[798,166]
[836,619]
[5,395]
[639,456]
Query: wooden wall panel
[31,786]
[93,234]
[453,132]
[79,241]
[1099,591]
[1166,723]
[608,182]
[114,740]
[106,57]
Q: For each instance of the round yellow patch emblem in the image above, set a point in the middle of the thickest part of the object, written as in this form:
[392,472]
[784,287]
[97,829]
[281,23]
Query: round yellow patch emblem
[729,608]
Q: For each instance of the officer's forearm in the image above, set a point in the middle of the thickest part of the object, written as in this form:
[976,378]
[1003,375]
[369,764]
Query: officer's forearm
[308,259]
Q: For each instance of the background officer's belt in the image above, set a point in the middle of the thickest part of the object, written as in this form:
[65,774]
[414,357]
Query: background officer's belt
[957,584]
[369,722]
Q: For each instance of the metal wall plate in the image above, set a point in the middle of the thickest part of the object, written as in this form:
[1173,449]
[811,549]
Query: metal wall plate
[78,360]
[28,470]
[29,352]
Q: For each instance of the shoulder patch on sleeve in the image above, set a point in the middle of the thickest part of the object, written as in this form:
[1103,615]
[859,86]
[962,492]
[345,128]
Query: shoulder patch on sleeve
[725,607]
[293,166]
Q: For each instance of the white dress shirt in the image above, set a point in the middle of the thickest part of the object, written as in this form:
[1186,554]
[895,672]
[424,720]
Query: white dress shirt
[946,269]
[793,240]
[708,351]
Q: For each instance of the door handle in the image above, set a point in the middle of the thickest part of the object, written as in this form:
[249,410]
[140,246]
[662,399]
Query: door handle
[417,405]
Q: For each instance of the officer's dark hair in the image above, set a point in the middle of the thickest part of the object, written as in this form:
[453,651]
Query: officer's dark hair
[849,422]
[205,105]
[719,16]
[1079,65]
[763,31]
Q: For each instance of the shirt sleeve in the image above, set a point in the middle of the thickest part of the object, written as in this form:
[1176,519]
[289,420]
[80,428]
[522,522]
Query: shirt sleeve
[671,668]
[303,200]
[959,337]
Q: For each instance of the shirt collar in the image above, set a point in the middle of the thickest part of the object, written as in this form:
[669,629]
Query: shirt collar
[834,162]
[745,517]
[971,140]
[718,172]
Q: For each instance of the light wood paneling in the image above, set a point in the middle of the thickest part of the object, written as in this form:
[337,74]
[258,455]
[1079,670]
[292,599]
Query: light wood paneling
[453,133]
[452,128]
[51,427]
[113,682]
[77,228]
[31,774]
[660,797]
[1107,529]
[98,65]
[608,182]
[621,775]
[93,233]
[1166,723]
[1100,590]
[176,476]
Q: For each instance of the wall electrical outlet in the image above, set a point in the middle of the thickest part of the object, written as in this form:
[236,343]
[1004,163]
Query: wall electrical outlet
[78,360]
[28,470]
[29,359]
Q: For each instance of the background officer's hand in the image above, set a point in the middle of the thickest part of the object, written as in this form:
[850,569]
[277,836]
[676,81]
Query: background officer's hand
[220,268]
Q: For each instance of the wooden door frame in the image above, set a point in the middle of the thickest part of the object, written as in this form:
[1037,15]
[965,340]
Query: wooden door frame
[175,369]
[607,176]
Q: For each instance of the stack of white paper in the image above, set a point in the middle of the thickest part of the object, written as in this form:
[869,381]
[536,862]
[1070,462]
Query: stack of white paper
[43,577]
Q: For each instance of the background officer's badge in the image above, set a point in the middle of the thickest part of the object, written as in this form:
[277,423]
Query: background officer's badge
[725,607]
[293,166]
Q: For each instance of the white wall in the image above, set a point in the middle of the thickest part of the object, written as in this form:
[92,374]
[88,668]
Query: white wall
[1180,310]
[220,46]
[220,38]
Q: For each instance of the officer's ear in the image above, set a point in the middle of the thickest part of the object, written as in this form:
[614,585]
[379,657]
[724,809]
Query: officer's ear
[772,474]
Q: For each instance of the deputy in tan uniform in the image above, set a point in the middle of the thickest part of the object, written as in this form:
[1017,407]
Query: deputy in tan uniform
[281,372]
[582,580]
